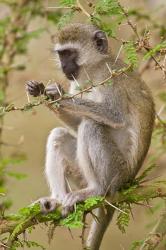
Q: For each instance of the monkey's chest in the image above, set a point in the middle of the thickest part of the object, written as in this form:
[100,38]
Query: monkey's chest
[90,131]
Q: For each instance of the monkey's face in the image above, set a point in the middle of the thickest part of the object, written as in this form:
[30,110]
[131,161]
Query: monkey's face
[68,58]
[80,45]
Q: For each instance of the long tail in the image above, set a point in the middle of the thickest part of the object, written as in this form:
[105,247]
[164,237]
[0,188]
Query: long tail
[99,227]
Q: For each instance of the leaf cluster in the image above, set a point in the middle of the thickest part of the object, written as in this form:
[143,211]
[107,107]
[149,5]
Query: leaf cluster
[158,48]
[131,54]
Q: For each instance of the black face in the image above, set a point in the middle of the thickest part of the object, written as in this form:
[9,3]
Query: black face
[68,58]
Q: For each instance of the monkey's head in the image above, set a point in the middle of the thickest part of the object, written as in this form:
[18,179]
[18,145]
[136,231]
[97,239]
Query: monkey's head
[80,45]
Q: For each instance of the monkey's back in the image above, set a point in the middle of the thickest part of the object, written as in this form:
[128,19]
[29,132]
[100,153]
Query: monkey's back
[139,120]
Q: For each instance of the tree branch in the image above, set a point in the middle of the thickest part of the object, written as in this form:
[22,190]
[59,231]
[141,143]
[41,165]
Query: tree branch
[43,100]
[30,216]
[156,236]
[141,41]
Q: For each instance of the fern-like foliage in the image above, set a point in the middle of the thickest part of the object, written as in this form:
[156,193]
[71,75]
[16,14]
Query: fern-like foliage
[131,54]
[108,7]
[123,218]
[156,49]
[65,19]
[68,3]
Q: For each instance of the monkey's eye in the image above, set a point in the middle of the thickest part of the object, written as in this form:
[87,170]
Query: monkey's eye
[99,44]
[65,53]
[68,53]
[101,41]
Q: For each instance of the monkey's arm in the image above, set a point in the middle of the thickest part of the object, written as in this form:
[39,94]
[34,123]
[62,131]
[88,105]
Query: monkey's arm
[99,112]
[66,117]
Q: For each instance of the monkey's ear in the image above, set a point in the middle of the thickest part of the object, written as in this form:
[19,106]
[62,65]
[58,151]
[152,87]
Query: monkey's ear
[101,41]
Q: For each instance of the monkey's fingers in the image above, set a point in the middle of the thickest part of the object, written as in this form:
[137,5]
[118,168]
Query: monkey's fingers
[54,89]
[34,88]
[69,202]
[52,92]
[67,210]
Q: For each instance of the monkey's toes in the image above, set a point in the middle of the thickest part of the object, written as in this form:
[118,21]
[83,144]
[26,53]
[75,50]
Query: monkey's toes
[47,204]
[72,198]
[68,203]
[67,210]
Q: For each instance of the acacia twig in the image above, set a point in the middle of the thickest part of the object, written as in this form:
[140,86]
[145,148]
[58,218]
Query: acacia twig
[156,236]
[140,40]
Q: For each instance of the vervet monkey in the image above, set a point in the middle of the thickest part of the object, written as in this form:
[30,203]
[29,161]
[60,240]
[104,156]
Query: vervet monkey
[106,132]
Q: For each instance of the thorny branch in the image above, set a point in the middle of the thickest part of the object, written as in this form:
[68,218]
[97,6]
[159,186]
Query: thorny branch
[155,237]
[17,226]
[141,42]
[43,100]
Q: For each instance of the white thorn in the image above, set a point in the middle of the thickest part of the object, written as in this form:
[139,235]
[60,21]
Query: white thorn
[109,68]
[115,207]
[118,53]
[58,89]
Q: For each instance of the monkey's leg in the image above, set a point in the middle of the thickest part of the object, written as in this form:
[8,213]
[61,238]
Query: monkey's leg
[101,162]
[60,153]
[90,156]
[99,227]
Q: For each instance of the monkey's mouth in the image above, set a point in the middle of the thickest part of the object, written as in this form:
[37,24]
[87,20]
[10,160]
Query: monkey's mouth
[71,72]
[71,76]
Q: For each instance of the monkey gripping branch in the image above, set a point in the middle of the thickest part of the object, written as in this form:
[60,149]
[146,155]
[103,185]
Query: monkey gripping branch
[27,218]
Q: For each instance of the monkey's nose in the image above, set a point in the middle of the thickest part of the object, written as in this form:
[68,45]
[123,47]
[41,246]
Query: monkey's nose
[64,66]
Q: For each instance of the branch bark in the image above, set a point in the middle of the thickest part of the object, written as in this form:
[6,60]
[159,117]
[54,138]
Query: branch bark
[156,236]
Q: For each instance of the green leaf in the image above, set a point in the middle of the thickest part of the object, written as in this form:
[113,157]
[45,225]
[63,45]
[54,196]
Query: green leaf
[65,19]
[33,244]
[123,218]
[68,3]
[136,244]
[54,17]
[109,83]
[156,49]
[22,42]
[92,201]
[146,172]
[74,220]
[7,204]
[18,176]
[3,26]
[131,54]
[162,96]
[31,210]
[18,159]
[108,7]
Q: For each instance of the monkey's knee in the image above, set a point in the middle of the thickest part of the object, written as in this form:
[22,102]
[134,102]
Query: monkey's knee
[62,145]
[56,138]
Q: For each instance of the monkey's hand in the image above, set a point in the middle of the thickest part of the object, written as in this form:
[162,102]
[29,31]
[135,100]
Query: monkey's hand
[54,91]
[35,88]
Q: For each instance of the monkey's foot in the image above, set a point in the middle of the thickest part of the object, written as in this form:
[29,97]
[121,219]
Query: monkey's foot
[47,204]
[75,197]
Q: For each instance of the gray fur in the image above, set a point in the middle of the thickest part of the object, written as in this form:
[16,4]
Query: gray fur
[112,124]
